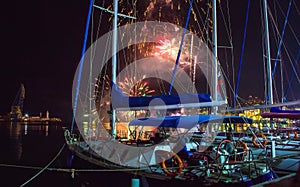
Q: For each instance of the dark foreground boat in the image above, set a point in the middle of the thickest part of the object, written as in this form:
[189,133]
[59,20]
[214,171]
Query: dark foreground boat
[199,160]
[159,145]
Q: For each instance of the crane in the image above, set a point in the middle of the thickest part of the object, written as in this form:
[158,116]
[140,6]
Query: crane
[17,105]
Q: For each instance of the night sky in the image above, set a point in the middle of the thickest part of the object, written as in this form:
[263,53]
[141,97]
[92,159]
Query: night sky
[42,45]
[42,41]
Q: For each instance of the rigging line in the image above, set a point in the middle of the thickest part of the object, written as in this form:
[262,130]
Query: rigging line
[264,106]
[232,49]
[276,41]
[290,60]
[59,152]
[89,87]
[227,79]
[106,67]
[294,2]
[215,62]
[263,52]
[225,47]
[181,44]
[94,48]
[281,38]
[291,165]
[209,41]
[291,28]
[206,27]
[135,33]
[196,9]
[112,12]
[292,76]
[98,32]
[293,67]
[226,27]
[275,10]
[18,166]
[242,55]
[81,62]
[228,68]
[268,52]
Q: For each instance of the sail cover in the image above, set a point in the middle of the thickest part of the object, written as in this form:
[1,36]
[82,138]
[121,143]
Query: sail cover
[278,113]
[187,122]
[121,100]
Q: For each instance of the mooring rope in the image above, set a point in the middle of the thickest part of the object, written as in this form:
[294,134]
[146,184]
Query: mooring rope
[73,170]
[42,170]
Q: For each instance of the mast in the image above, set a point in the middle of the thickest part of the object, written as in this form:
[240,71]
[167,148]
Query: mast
[180,47]
[86,33]
[215,53]
[114,55]
[114,63]
[267,42]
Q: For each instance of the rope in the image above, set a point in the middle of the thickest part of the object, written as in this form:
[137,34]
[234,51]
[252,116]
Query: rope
[199,17]
[18,166]
[242,55]
[81,63]
[227,27]
[295,5]
[128,169]
[263,52]
[292,76]
[281,38]
[44,167]
[109,11]
[180,48]
[296,39]
[290,27]
[67,170]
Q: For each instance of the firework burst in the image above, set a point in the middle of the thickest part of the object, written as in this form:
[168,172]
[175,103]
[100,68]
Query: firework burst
[135,87]
[169,49]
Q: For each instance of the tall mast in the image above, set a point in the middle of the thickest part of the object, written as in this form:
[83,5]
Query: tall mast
[114,63]
[215,53]
[81,63]
[267,41]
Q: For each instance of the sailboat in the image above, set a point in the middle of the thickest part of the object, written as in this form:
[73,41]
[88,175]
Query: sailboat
[161,140]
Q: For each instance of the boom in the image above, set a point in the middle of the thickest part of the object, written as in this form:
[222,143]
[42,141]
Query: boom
[17,105]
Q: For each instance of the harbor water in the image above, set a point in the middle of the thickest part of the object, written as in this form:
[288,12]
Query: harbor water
[36,155]
[28,148]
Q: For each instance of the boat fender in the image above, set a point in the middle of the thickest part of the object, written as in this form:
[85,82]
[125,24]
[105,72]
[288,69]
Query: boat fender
[245,147]
[264,143]
[218,151]
[294,132]
[178,162]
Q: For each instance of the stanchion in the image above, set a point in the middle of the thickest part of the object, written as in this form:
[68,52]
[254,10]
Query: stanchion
[273,150]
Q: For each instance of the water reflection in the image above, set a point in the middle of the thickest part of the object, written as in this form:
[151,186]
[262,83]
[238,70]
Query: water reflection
[15,140]
[13,135]
[43,129]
